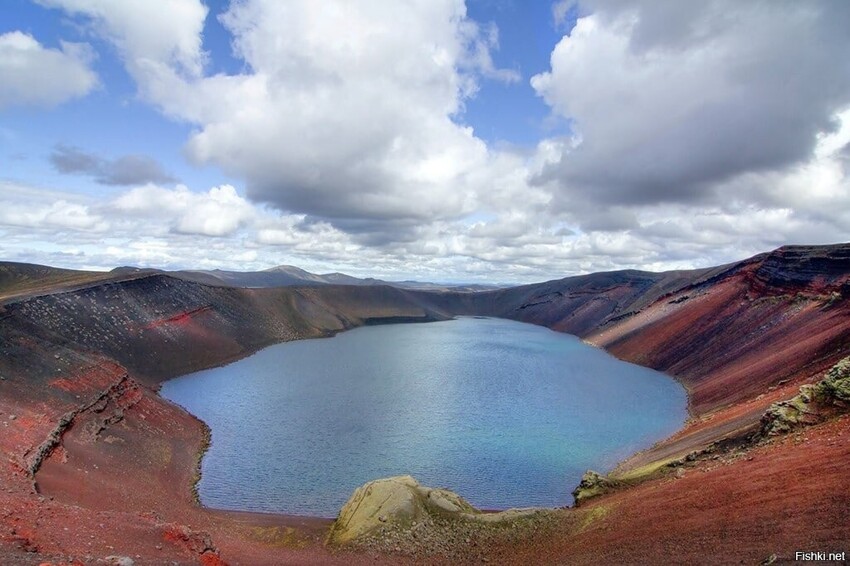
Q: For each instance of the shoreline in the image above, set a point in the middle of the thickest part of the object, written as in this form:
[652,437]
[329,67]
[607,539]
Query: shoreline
[291,520]
[199,458]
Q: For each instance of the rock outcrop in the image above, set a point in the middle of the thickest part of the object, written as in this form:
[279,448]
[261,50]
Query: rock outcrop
[592,485]
[401,503]
[812,405]
[835,388]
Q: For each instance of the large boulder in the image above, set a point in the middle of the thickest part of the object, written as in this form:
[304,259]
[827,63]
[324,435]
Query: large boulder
[393,499]
[815,403]
[784,416]
[836,385]
[400,503]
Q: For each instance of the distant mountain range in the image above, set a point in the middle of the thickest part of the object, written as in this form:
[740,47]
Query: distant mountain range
[291,276]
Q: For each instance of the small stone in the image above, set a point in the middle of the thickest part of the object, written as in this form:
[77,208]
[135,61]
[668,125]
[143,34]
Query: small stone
[382,518]
[12,417]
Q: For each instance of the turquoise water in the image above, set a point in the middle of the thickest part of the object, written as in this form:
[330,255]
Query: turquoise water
[506,414]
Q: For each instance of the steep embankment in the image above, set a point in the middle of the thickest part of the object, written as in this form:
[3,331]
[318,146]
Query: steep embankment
[82,425]
[158,326]
[730,334]
[80,418]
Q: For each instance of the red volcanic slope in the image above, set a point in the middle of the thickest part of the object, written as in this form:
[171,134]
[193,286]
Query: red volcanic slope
[733,340]
[773,501]
[726,333]
[97,464]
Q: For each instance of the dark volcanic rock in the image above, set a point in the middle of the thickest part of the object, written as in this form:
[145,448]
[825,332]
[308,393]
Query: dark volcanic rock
[159,326]
[813,268]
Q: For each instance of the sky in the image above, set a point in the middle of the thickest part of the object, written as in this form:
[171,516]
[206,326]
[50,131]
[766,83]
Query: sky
[501,141]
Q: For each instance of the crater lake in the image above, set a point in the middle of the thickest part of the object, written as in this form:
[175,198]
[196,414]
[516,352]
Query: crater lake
[504,413]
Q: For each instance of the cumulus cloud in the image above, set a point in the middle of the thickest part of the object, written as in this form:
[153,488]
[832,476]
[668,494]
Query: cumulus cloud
[353,109]
[701,133]
[124,170]
[165,227]
[46,211]
[146,31]
[345,111]
[218,212]
[670,100]
[37,75]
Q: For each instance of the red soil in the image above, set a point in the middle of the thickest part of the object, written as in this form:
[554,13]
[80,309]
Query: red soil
[793,494]
[126,491]
[180,318]
[117,479]
[726,347]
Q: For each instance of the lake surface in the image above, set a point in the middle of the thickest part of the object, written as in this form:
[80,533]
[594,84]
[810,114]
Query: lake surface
[506,414]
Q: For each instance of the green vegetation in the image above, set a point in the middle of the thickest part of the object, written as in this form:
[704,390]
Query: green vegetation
[647,471]
[592,516]
[594,484]
[813,404]
[836,386]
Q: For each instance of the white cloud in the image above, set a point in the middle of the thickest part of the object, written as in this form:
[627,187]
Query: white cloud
[59,215]
[36,75]
[50,211]
[166,31]
[701,134]
[345,110]
[670,100]
[218,212]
